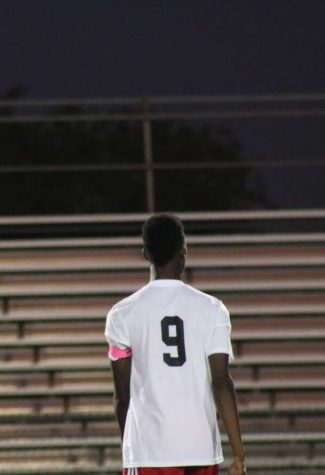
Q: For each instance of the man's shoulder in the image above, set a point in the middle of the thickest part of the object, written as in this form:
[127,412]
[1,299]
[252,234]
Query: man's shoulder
[129,301]
[213,309]
[202,297]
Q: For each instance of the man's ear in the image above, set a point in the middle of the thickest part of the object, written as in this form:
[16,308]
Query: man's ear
[145,254]
[183,250]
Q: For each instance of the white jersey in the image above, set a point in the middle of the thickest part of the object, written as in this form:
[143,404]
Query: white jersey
[171,329]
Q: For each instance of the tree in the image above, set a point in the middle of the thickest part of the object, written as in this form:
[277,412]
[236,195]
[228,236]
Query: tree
[84,143]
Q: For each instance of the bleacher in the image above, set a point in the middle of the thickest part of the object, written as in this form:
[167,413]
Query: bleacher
[56,412]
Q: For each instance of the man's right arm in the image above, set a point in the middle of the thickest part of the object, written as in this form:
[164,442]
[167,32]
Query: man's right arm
[225,399]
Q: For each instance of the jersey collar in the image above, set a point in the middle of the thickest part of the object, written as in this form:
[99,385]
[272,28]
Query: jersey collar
[165,282]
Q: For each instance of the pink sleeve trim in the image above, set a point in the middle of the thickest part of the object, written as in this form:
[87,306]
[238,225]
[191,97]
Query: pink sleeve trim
[115,352]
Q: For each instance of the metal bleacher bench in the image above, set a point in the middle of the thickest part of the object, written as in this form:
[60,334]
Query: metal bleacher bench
[274,311]
[291,411]
[102,444]
[104,290]
[36,344]
[254,362]
[114,265]
[13,292]
[103,365]
[136,242]
[271,388]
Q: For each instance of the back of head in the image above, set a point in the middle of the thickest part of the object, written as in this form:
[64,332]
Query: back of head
[163,236]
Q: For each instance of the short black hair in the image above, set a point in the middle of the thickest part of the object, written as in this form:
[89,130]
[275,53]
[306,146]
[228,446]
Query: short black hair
[163,235]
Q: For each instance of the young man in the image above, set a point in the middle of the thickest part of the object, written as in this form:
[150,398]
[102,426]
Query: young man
[170,345]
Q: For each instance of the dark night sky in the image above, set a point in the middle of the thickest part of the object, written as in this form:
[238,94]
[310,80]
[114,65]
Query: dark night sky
[94,48]
[131,47]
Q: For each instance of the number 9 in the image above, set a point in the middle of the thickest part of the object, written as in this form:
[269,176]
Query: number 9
[177,340]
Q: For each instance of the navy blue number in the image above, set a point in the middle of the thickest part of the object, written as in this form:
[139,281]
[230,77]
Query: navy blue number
[175,340]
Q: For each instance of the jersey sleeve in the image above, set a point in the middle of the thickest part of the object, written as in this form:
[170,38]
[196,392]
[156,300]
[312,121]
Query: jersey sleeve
[219,340]
[117,336]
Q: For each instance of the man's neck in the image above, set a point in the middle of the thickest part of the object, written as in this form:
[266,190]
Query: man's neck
[164,273]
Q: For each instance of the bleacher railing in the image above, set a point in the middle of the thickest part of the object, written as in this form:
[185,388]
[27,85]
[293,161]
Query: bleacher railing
[149,109]
[287,225]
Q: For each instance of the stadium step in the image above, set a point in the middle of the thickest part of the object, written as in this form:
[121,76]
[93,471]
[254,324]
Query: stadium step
[55,294]
[311,335]
[105,453]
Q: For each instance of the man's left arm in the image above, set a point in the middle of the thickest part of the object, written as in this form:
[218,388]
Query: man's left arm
[121,375]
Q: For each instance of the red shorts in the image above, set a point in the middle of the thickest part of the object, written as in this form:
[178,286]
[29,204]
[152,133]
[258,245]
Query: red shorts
[199,470]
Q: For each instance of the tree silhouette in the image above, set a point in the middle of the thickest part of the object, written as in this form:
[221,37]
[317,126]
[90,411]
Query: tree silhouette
[81,143]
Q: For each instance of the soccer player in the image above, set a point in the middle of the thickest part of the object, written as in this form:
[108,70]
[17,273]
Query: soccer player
[169,346]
